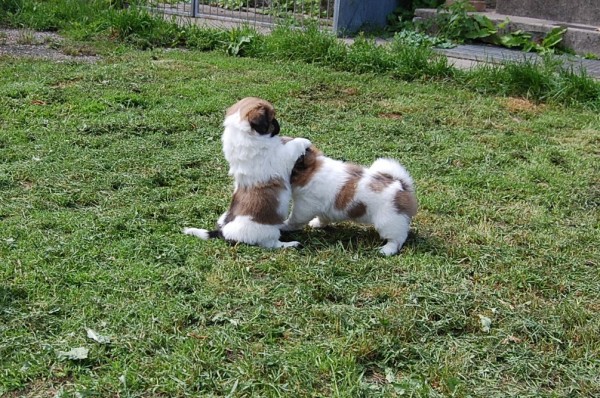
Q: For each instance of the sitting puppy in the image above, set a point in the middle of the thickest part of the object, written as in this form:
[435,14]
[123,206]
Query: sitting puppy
[326,190]
[261,164]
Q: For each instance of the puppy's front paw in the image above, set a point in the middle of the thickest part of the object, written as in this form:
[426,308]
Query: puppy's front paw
[303,142]
[290,244]
[389,249]
[317,223]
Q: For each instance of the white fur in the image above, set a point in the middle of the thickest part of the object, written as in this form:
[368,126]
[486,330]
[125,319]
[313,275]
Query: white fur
[314,203]
[256,159]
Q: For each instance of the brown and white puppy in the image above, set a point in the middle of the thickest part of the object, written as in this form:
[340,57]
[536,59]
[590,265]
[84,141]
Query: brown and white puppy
[261,164]
[325,190]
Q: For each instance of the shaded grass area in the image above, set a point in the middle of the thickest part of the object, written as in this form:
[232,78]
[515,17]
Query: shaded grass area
[101,165]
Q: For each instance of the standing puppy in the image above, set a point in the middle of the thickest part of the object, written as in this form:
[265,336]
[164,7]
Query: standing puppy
[260,163]
[326,190]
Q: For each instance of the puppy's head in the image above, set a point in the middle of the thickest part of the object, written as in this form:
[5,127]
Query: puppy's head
[259,113]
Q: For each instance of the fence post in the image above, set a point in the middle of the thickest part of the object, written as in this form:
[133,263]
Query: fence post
[351,15]
[194,8]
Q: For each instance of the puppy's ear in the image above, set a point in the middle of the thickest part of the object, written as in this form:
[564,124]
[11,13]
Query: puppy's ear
[259,120]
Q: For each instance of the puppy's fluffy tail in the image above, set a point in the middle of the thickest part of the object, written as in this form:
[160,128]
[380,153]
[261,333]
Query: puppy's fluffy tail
[394,169]
[203,233]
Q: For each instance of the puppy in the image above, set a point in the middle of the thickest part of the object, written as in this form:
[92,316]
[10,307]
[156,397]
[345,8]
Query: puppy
[261,164]
[326,190]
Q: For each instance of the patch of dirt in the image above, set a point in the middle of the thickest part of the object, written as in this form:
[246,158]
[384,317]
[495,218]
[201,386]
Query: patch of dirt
[45,45]
[37,389]
[521,105]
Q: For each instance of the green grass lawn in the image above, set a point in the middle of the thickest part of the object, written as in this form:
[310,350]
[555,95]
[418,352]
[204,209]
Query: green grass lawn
[102,164]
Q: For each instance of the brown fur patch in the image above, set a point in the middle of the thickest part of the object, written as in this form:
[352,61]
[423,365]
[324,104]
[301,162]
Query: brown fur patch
[306,167]
[380,181]
[405,202]
[357,210]
[348,190]
[248,104]
[259,202]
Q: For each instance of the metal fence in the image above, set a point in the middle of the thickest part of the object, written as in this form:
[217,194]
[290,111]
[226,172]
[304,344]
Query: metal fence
[253,12]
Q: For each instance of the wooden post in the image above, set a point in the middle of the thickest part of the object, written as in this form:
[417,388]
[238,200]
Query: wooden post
[350,16]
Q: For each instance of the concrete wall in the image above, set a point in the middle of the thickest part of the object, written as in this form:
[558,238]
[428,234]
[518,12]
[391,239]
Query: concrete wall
[352,15]
[574,11]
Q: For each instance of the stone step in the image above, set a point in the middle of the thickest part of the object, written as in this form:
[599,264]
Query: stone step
[496,55]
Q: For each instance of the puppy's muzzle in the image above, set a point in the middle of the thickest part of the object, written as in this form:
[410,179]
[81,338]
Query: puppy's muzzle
[274,128]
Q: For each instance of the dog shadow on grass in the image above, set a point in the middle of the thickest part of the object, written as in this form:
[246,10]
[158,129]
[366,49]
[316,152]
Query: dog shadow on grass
[359,238]
[10,299]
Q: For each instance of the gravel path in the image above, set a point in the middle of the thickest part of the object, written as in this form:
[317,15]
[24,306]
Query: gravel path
[28,43]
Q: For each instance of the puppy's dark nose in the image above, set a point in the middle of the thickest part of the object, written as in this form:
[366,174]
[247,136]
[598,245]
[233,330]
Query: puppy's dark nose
[274,127]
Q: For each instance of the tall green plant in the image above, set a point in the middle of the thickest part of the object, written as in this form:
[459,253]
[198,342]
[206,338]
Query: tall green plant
[240,41]
[308,44]
[10,7]
[137,26]
[457,24]
[51,15]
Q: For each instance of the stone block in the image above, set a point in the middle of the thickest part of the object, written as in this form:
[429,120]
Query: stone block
[573,11]
[580,38]
[478,5]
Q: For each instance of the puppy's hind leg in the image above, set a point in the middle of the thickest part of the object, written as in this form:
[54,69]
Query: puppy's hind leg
[244,230]
[298,218]
[390,248]
[277,244]
[273,241]
[396,232]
